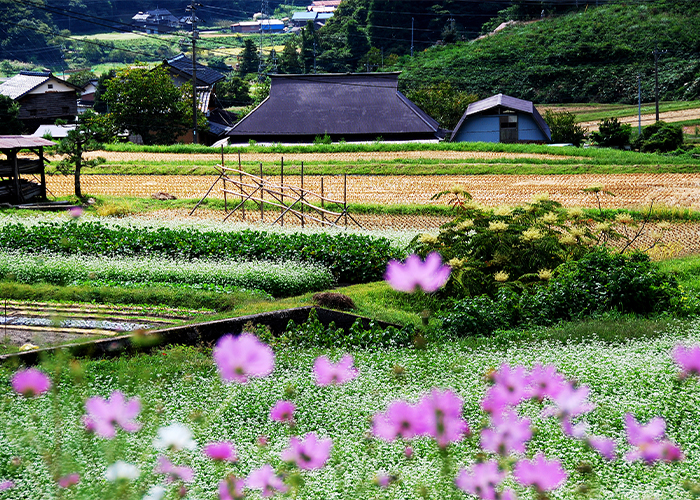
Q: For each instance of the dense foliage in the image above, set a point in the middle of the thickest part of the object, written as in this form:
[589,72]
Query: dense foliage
[594,54]
[660,137]
[612,133]
[598,283]
[564,128]
[351,258]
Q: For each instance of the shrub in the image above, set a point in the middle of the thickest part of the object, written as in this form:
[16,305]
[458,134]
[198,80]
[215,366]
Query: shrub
[564,128]
[660,137]
[612,133]
[599,282]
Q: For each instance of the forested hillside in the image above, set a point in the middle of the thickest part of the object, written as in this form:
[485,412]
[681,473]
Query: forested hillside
[592,55]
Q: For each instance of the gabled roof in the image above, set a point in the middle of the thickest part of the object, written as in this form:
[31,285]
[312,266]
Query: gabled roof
[183,65]
[23,141]
[26,81]
[504,101]
[343,105]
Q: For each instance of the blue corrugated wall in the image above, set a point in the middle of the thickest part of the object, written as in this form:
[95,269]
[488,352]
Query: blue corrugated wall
[486,128]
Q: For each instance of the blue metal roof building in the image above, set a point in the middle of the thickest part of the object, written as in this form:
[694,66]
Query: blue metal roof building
[502,118]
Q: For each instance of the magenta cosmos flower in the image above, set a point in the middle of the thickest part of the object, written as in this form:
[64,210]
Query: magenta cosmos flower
[174,472]
[429,275]
[327,373]
[6,485]
[231,488]
[103,415]
[481,480]
[509,434]
[69,480]
[570,402]
[30,382]
[283,411]
[401,419]
[266,480]
[688,358]
[311,453]
[443,417]
[239,358]
[222,451]
[648,441]
[543,474]
[545,381]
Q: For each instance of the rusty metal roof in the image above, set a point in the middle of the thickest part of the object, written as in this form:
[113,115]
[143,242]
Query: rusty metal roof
[353,104]
[23,141]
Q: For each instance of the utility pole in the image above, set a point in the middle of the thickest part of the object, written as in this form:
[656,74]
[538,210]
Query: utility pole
[411,37]
[314,56]
[192,8]
[656,53]
[639,85]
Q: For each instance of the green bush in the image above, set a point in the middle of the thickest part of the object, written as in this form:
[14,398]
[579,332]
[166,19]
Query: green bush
[599,282]
[564,128]
[612,133]
[660,137]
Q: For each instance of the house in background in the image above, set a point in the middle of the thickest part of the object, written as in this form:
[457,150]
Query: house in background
[87,97]
[502,118]
[43,98]
[156,21]
[351,106]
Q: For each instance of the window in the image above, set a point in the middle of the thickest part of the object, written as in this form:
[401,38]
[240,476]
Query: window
[50,85]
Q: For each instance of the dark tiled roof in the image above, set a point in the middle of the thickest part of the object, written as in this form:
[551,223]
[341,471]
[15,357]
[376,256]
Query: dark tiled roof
[505,101]
[183,65]
[341,105]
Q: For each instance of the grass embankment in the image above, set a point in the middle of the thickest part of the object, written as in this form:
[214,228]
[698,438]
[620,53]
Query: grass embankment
[181,385]
[589,112]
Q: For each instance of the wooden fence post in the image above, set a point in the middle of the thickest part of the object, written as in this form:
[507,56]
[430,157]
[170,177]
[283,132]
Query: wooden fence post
[345,198]
[282,191]
[302,194]
[323,206]
[262,207]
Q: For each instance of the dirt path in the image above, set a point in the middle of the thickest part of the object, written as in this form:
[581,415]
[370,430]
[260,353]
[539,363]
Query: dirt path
[630,190]
[668,116]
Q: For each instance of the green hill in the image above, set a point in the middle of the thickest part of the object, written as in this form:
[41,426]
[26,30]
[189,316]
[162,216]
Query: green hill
[588,56]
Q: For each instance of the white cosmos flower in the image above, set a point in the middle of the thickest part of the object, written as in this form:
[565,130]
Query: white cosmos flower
[121,470]
[174,437]
[157,492]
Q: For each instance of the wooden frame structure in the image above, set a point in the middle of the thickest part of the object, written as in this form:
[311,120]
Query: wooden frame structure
[14,189]
[289,199]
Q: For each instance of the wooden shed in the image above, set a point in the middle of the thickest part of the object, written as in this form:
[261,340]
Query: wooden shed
[22,177]
[502,118]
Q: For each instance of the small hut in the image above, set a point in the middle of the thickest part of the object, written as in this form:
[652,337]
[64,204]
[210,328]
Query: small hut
[18,173]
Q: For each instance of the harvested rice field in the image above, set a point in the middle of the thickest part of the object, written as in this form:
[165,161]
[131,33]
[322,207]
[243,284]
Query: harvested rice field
[630,190]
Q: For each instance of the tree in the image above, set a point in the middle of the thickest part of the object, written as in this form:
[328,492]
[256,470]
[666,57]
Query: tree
[233,91]
[79,141]
[443,102]
[147,102]
[250,60]
[612,133]
[660,137]
[100,105]
[564,128]
[309,45]
[289,59]
[9,116]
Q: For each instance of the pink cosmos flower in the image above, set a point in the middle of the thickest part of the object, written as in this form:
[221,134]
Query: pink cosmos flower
[545,381]
[174,472]
[430,275]
[481,480]
[570,402]
[327,373]
[508,434]
[604,446]
[75,212]
[401,419]
[650,446]
[69,480]
[231,488]
[688,358]
[6,485]
[383,480]
[311,453]
[103,415]
[283,411]
[241,357]
[543,474]
[222,451]
[30,382]
[443,417]
[266,480]
[577,431]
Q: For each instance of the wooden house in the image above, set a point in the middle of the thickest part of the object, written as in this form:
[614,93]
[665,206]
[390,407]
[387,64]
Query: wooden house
[502,118]
[352,106]
[18,174]
[43,98]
